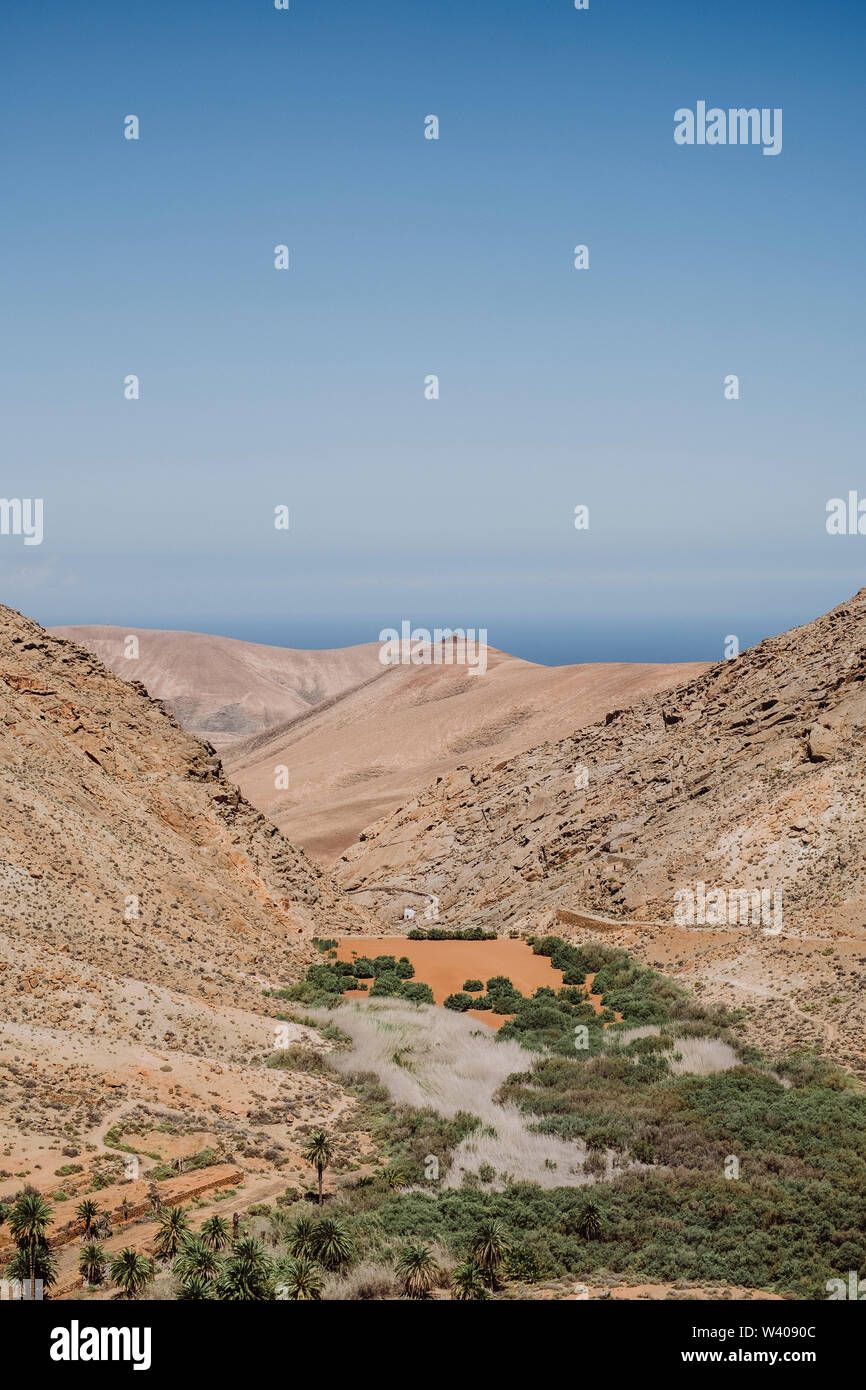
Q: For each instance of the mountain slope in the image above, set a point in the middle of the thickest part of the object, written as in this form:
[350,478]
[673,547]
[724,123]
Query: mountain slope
[223,689]
[750,777]
[371,749]
[122,841]
[144,909]
[751,772]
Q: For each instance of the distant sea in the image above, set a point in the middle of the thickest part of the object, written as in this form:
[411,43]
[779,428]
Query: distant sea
[549,644]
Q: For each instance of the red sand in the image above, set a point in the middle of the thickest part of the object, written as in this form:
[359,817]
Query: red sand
[446,965]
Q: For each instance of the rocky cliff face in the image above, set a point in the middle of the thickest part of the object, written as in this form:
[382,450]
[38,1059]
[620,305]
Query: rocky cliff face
[748,777]
[122,844]
[749,780]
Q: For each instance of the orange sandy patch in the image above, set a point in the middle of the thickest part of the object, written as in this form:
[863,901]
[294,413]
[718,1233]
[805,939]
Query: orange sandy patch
[446,965]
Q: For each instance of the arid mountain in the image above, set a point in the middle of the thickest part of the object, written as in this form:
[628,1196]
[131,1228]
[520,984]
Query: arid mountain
[147,910]
[750,777]
[222,689]
[372,749]
[144,908]
[107,799]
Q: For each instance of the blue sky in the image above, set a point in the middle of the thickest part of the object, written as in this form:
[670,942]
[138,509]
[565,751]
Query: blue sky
[412,257]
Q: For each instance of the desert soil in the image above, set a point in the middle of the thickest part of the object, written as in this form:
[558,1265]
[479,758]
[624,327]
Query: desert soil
[446,965]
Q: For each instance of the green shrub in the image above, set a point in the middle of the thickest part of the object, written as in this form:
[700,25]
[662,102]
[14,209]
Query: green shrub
[417,992]
[458,1002]
[450,934]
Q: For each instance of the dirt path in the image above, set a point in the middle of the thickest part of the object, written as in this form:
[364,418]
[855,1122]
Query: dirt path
[831,1030]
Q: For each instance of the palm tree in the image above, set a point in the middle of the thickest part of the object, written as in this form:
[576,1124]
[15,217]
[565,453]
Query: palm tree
[196,1289]
[131,1271]
[173,1227]
[332,1244]
[91,1263]
[298,1280]
[215,1232]
[28,1222]
[416,1269]
[302,1238]
[39,1264]
[589,1221]
[469,1282]
[490,1246]
[319,1152]
[196,1259]
[247,1275]
[87,1211]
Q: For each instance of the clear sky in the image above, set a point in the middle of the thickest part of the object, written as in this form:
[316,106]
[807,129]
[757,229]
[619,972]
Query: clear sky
[412,257]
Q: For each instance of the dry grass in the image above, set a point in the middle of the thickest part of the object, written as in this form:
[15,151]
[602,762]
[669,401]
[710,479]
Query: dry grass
[623,1036]
[368,1280]
[702,1056]
[427,1056]
[695,1056]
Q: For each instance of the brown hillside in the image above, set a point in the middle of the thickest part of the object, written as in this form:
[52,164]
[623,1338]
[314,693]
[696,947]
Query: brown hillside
[223,689]
[749,777]
[109,806]
[370,750]
[107,801]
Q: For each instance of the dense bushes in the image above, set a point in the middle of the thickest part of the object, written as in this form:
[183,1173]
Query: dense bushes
[450,934]
[788,1215]
[657,1227]
[547,1020]
[794,1216]
[325,983]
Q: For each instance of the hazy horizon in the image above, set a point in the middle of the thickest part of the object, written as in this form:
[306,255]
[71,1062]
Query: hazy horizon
[656,640]
[305,388]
